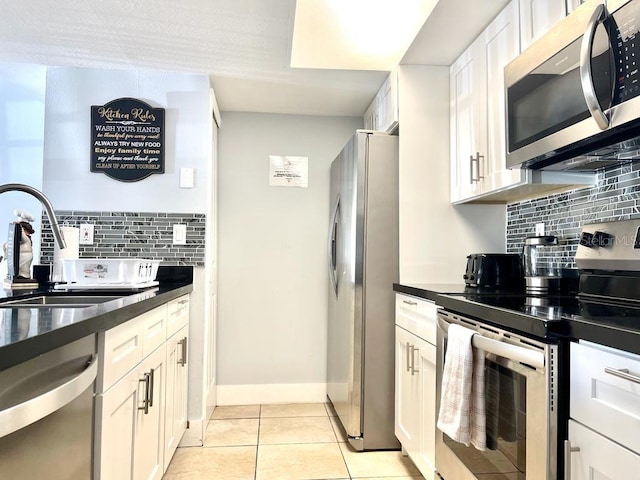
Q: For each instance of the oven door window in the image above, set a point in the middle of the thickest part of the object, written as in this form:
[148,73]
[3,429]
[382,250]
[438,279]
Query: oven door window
[506,407]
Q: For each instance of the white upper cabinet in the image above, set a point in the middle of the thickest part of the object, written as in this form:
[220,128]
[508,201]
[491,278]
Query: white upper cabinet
[382,114]
[573,4]
[478,118]
[477,109]
[538,16]
[465,125]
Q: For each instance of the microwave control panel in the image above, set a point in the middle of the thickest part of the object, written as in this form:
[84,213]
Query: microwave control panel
[626,51]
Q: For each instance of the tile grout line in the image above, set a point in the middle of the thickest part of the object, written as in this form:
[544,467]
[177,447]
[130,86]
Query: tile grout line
[255,470]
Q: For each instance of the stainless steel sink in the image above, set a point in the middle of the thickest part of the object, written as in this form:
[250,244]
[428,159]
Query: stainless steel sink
[67,301]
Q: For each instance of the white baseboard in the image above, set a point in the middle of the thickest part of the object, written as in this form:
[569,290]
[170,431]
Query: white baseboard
[271,393]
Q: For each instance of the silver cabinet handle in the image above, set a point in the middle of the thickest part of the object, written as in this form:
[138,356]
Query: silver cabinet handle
[152,374]
[568,450]
[623,373]
[182,302]
[19,416]
[409,347]
[475,161]
[586,77]
[183,343]
[145,400]
[414,370]
[410,302]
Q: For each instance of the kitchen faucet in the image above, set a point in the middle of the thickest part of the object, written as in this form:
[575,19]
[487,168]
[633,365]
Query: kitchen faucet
[19,187]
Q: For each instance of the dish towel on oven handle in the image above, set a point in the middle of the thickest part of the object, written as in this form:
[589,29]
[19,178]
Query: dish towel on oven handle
[462,414]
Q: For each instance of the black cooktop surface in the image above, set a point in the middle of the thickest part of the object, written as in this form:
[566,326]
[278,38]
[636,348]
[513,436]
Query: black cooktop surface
[547,315]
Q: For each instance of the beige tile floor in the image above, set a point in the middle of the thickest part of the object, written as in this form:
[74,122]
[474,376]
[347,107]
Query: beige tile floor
[282,442]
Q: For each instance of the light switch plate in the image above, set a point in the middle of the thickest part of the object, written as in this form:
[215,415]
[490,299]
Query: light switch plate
[539,229]
[187,177]
[180,234]
[86,234]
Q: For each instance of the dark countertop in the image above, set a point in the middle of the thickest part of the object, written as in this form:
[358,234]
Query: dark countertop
[561,316]
[28,332]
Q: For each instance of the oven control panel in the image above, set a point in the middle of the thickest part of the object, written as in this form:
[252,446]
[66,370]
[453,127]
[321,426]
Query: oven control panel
[610,246]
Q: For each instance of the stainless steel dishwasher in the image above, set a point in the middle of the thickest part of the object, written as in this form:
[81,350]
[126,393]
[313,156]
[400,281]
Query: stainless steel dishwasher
[46,414]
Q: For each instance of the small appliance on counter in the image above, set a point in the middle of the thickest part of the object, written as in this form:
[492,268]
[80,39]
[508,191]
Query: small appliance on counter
[494,270]
[540,274]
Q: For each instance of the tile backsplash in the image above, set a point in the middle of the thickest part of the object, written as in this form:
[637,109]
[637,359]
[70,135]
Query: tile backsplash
[137,235]
[616,196]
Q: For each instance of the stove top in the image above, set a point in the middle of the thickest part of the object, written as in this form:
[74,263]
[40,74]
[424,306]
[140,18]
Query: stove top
[545,316]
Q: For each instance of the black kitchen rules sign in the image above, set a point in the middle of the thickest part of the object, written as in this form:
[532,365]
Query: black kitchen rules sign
[127,139]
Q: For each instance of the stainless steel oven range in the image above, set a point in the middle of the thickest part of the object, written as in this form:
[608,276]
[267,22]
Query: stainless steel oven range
[521,385]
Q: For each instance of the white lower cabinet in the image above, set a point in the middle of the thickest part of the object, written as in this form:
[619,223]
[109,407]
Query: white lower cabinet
[176,394]
[415,392]
[131,420]
[598,457]
[604,414]
[407,406]
[141,415]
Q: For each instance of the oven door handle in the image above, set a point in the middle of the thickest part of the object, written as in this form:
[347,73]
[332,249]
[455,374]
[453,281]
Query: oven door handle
[501,349]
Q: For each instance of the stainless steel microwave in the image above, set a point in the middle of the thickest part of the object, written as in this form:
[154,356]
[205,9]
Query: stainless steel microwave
[573,97]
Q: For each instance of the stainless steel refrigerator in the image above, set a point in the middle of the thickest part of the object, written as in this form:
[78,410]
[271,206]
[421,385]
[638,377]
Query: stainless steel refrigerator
[363,265]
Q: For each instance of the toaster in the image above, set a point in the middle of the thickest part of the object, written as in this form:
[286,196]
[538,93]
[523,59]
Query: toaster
[494,270]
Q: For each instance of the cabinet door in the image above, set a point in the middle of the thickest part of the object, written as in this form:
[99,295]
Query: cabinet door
[370,116]
[154,329]
[500,45]
[465,78]
[407,393]
[148,463]
[599,457]
[425,457]
[387,100]
[537,17]
[177,314]
[573,4]
[605,393]
[116,412]
[176,394]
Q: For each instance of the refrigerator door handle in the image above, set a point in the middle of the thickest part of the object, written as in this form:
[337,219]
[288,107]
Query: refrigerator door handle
[333,247]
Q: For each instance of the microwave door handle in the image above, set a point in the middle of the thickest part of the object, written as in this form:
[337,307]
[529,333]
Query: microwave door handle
[586,77]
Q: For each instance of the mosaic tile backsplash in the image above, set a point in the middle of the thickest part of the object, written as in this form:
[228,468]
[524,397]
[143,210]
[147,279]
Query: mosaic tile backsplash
[616,196]
[136,235]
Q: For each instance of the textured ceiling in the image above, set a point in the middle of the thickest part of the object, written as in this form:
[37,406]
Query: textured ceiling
[243,45]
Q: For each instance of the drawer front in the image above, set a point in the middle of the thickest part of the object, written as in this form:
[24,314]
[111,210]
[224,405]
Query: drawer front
[601,397]
[599,457]
[120,349]
[155,329]
[178,314]
[418,316]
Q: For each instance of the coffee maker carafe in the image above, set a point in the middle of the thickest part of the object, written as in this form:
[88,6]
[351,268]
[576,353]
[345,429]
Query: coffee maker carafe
[541,275]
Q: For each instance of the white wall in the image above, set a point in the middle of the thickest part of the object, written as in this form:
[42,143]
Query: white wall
[68,181]
[435,236]
[22,94]
[272,278]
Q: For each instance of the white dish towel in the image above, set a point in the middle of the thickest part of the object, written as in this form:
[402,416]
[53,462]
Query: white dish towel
[462,413]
